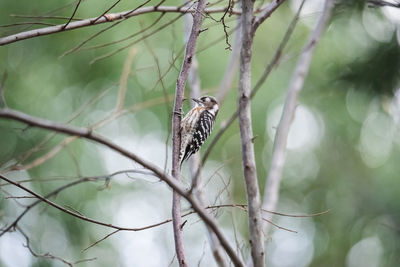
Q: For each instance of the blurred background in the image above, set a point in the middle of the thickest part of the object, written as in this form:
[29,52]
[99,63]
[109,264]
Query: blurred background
[343,148]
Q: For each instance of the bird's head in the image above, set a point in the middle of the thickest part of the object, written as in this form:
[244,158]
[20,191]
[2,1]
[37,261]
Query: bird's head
[209,102]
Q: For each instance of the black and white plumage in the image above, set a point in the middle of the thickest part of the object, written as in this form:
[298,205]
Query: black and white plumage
[197,125]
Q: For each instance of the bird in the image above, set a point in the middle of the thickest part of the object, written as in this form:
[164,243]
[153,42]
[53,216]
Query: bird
[197,125]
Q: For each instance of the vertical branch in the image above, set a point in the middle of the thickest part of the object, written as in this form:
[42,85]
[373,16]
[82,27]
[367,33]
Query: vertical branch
[271,191]
[2,86]
[195,173]
[246,133]
[176,122]
[194,161]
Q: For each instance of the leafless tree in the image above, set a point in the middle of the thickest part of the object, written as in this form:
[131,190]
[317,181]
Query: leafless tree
[248,20]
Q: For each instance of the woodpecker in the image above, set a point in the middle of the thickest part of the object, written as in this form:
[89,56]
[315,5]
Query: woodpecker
[197,125]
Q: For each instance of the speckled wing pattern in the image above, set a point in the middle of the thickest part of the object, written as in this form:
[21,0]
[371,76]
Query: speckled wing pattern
[200,132]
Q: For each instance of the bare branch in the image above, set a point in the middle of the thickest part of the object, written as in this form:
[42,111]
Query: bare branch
[60,189]
[176,126]
[265,13]
[100,240]
[112,6]
[45,255]
[104,19]
[76,48]
[271,191]
[173,183]
[194,161]
[42,159]
[246,133]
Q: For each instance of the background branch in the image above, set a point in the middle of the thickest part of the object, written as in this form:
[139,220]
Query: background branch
[271,191]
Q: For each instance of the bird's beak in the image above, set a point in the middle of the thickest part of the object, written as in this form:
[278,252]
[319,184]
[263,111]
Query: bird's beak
[197,101]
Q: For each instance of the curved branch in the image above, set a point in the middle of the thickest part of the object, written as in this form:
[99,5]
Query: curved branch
[173,183]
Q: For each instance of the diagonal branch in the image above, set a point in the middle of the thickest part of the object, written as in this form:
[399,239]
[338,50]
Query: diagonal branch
[265,13]
[271,191]
[173,183]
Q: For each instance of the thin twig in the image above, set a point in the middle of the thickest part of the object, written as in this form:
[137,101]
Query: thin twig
[115,41]
[136,41]
[45,255]
[111,7]
[73,14]
[100,240]
[77,47]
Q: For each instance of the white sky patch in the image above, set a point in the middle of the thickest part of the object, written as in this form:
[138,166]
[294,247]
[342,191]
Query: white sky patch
[288,249]
[310,11]
[378,27]
[12,251]
[376,139]
[141,208]
[367,253]
[392,13]
[306,130]
[300,166]
[357,104]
